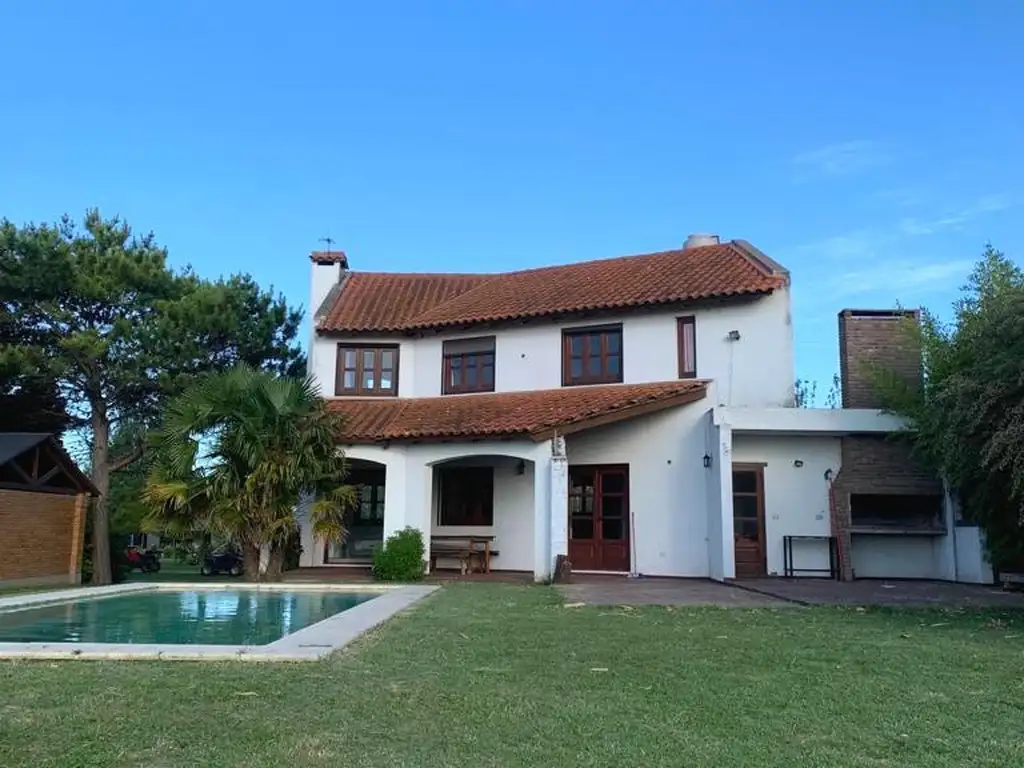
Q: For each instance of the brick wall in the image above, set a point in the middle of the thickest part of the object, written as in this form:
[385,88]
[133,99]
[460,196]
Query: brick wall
[880,464]
[870,338]
[874,463]
[40,536]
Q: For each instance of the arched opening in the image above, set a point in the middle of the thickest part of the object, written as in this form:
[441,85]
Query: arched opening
[482,513]
[364,521]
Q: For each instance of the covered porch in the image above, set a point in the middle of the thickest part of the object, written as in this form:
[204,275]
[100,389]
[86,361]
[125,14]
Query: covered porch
[488,474]
[505,499]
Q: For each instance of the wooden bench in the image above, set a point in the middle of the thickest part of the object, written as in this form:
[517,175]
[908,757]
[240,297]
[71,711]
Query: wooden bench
[470,551]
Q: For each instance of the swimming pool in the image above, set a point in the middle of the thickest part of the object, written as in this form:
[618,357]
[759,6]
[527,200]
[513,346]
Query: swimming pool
[197,621]
[212,617]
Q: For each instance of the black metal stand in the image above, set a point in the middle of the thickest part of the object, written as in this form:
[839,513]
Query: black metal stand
[790,571]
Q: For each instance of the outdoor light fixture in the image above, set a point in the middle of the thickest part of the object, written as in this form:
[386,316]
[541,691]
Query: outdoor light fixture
[707,461]
[798,463]
[521,467]
[734,335]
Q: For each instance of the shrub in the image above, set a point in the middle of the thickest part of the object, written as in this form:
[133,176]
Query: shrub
[401,557]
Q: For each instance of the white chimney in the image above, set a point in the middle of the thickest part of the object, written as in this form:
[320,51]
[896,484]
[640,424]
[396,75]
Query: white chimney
[328,268]
[696,241]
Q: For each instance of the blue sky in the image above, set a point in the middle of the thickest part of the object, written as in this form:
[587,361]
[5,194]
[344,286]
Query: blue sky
[871,147]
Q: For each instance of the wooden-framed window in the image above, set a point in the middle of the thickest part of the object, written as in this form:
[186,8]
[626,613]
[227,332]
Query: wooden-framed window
[468,366]
[467,496]
[369,509]
[592,355]
[687,331]
[367,369]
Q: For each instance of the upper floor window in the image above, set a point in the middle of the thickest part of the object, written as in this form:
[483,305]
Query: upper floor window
[468,366]
[687,330]
[367,370]
[592,355]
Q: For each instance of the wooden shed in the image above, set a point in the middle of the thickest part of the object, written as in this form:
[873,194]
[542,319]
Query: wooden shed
[44,498]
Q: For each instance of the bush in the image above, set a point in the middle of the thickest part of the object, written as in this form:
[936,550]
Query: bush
[401,557]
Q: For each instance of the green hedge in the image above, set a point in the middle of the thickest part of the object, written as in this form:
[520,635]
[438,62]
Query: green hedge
[401,557]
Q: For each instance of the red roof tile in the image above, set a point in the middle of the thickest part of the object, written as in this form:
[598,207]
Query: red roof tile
[505,414]
[403,302]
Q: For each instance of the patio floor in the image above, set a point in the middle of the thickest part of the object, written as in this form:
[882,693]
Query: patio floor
[358,575]
[618,590]
[939,594]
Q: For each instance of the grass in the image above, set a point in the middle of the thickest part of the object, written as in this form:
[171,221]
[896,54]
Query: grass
[499,675]
[175,571]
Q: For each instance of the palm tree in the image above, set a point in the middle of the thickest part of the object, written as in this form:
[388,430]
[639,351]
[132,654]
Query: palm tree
[236,454]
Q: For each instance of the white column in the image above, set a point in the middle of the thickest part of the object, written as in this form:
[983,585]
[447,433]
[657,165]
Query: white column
[559,502]
[418,501]
[721,547]
[542,564]
[395,494]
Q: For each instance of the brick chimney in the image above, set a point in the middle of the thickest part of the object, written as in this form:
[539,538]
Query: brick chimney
[876,337]
[874,465]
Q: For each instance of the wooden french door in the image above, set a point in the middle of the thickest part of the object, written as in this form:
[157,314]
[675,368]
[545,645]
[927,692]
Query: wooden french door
[599,518]
[748,519]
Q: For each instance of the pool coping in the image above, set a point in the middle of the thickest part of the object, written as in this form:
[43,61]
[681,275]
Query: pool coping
[307,644]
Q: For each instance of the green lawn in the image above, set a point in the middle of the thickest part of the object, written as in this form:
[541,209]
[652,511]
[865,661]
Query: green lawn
[173,571]
[499,675]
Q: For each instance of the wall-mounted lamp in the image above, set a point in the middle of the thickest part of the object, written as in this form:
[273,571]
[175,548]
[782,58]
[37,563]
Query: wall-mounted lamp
[521,467]
[798,463]
[828,473]
[734,336]
[707,461]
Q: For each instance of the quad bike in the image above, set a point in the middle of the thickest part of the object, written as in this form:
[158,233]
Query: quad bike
[147,561]
[222,562]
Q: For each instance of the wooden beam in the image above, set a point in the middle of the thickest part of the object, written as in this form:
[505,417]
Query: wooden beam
[29,480]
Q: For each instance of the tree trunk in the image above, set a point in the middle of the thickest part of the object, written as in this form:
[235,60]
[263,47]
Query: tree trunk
[275,563]
[101,573]
[251,562]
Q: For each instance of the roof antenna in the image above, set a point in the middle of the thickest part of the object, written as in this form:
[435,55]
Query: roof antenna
[329,240]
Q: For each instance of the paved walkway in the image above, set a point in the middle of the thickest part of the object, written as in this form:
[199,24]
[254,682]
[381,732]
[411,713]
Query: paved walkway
[653,591]
[939,594]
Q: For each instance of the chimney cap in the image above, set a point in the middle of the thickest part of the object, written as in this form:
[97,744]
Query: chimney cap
[700,239]
[329,257]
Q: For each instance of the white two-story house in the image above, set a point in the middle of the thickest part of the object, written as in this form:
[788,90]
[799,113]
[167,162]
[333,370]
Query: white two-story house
[633,414]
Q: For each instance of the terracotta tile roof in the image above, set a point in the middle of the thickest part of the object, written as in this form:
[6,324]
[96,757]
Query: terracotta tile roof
[505,414]
[329,257]
[374,301]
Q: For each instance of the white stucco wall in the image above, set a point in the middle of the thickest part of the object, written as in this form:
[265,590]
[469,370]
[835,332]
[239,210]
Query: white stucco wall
[896,557]
[513,514]
[756,370]
[667,485]
[972,562]
[795,498]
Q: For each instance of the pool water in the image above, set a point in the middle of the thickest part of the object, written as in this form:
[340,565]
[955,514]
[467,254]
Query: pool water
[211,617]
